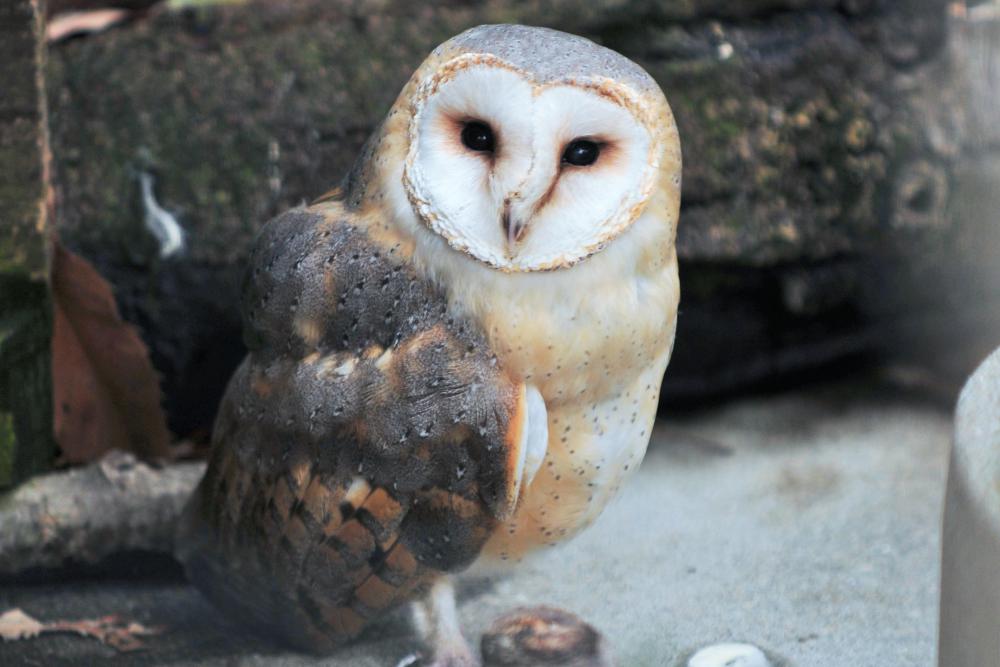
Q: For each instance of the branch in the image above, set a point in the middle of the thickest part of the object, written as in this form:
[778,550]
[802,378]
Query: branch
[85,514]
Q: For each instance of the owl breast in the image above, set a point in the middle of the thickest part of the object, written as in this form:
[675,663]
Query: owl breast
[594,340]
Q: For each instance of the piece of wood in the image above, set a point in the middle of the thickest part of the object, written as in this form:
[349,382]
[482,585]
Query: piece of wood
[84,514]
[26,444]
[544,636]
[23,145]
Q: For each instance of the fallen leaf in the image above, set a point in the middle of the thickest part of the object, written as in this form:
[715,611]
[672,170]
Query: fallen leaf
[15,624]
[105,390]
[82,23]
[109,630]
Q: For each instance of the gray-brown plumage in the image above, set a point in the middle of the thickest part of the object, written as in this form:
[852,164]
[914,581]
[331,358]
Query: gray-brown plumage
[346,475]
[457,355]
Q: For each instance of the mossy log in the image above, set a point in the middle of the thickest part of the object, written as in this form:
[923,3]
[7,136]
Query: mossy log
[22,141]
[821,139]
[797,125]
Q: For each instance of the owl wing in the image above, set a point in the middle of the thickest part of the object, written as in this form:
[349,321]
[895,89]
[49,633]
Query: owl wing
[368,442]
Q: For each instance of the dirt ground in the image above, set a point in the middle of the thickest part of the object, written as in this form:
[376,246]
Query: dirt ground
[805,522]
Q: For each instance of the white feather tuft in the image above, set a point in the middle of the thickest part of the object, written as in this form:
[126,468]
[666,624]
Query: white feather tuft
[159,221]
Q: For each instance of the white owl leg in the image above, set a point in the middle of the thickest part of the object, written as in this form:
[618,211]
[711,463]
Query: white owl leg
[436,618]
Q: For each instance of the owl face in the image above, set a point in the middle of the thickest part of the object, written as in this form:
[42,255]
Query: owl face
[526,172]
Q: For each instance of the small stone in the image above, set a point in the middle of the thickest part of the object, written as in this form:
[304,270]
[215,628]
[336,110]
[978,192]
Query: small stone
[729,655]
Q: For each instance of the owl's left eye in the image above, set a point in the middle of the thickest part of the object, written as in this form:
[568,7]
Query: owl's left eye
[478,136]
[581,152]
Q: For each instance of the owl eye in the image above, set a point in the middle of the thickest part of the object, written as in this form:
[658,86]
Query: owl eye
[478,136]
[581,152]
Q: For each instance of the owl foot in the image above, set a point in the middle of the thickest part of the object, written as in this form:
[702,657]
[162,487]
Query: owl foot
[464,658]
[436,619]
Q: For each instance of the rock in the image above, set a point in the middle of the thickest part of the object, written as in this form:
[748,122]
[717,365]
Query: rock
[970,570]
[792,138]
[824,142]
[729,655]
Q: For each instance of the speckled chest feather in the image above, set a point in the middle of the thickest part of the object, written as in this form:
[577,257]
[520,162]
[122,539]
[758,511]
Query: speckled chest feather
[594,339]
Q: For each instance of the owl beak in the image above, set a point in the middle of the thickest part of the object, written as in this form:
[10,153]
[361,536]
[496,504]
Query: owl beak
[513,226]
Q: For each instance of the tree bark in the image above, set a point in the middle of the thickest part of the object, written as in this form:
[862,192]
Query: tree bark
[26,444]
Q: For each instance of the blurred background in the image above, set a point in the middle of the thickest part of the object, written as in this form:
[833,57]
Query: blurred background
[840,194]
[840,216]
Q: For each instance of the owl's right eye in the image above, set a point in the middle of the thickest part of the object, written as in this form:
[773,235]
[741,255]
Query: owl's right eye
[477,136]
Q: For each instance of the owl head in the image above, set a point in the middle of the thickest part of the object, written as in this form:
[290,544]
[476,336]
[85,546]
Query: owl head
[530,149]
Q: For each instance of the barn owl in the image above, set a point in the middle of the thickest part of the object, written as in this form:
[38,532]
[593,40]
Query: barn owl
[455,356]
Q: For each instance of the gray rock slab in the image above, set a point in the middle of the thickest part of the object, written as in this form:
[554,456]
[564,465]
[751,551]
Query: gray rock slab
[805,523]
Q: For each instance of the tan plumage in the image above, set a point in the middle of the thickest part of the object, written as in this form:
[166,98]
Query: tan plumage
[550,320]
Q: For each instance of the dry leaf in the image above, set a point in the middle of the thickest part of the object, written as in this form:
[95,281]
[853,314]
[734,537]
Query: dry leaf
[82,23]
[15,624]
[109,630]
[105,390]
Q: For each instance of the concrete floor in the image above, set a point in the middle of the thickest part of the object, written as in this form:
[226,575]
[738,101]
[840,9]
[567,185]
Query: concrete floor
[806,523]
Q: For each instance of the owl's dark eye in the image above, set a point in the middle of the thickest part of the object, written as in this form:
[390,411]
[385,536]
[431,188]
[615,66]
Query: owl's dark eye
[478,136]
[581,152]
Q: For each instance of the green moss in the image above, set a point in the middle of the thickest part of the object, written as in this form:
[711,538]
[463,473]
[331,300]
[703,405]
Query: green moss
[8,448]
[26,443]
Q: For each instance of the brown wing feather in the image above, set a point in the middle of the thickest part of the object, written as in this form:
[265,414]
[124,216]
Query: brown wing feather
[367,443]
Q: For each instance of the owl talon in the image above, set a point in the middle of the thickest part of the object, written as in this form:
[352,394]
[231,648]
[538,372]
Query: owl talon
[410,660]
[454,658]
[436,619]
